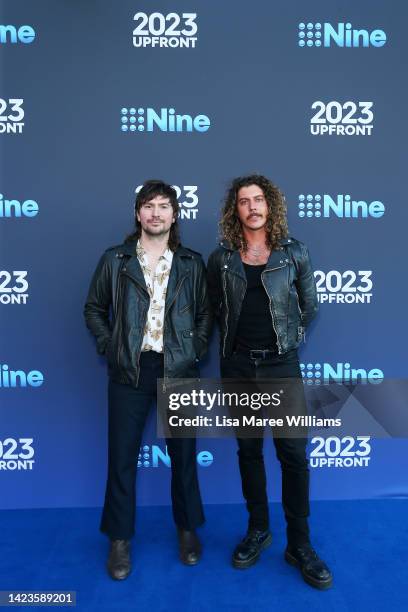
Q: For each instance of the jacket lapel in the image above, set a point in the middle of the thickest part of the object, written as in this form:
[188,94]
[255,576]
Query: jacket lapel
[178,272]
[132,266]
[277,259]
[134,270]
[236,266]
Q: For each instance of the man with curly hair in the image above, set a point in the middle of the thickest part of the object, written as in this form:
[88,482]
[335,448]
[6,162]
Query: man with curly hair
[263,294]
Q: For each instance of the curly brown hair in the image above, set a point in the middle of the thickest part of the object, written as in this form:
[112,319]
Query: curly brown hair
[276,224]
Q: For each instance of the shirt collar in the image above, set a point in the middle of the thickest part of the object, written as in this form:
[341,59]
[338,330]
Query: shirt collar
[167,255]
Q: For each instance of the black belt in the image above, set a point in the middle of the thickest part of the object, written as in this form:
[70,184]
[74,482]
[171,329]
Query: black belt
[151,355]
[256,353]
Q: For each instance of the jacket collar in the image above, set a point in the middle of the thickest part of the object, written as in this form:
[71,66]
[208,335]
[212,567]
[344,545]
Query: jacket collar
[129,248]
[141,253]
[177,273]
[277,259]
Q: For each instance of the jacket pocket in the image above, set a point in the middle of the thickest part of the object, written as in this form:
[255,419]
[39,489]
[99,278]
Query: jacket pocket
[190,333]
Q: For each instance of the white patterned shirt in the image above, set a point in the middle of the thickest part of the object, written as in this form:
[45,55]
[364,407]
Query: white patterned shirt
[156,286]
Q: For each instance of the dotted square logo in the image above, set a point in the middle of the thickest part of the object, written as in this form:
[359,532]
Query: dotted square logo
[310,34]
[144,459]
[311,373]
[310,205]
[132,119]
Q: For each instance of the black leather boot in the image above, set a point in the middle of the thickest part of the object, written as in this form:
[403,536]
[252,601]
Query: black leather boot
[189,546]
[119,559]
[314,571]
[249,550]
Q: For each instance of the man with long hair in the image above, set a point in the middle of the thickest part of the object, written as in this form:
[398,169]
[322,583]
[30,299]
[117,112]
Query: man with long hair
[263,293]
[148,309]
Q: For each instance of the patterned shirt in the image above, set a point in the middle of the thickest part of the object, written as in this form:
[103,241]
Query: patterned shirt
[156,286]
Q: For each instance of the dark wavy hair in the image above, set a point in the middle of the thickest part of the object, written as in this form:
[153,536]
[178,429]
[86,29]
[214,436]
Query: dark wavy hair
[150,190]
[276,224]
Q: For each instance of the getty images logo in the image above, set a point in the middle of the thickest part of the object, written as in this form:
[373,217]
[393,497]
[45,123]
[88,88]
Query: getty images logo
[165,120]
[318,373]
[341,206]
[340,35]
[154,456]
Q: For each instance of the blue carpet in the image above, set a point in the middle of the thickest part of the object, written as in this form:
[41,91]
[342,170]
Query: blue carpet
[364,542]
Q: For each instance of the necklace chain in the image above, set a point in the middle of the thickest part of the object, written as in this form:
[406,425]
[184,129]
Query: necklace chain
[257,253]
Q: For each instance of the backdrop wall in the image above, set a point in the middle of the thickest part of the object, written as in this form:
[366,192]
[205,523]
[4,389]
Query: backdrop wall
[311,95]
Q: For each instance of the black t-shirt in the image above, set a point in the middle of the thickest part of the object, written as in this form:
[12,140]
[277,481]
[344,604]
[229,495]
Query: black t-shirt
[255,329]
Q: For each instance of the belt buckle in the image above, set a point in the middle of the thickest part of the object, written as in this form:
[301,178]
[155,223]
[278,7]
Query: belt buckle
[261,354]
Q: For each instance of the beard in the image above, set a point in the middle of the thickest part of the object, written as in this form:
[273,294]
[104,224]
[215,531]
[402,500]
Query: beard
[159,230]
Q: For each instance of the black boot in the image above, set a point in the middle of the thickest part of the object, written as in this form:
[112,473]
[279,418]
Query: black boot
[314,571]
[119,559]
[189,546]
[248,551]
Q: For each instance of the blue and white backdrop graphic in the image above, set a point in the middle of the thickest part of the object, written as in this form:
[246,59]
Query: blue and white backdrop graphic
[97,97]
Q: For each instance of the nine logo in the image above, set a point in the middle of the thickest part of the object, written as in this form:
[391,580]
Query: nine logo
[11,123]
[19,378]
[13,294]
[163,30]
[20,460]
[10,34]
[341,206]
[340,35]
[189,205]
[147,120]
[347,119]
[320,373]
[156,456]
[14,208]
[339,287]
[347,452]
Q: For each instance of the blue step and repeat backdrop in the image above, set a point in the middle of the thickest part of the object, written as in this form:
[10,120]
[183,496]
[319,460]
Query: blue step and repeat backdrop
[96,97]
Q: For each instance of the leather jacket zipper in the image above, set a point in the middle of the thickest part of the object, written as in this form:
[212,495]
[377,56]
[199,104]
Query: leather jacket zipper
[224,286]
[121,267]
[143,326]
[164,325]
[271,307]
[117,302]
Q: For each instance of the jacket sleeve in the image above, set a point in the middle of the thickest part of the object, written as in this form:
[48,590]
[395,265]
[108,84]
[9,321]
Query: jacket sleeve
[203,316]
[306,287]
[214,284]
[97,306]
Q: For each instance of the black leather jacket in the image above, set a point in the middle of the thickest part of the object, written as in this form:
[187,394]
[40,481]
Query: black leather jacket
[288,280]
[117,305]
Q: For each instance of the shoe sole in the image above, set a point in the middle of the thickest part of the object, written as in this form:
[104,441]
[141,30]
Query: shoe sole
[189,563]
[245,564]
[119,577]
[322,585]
[184,562]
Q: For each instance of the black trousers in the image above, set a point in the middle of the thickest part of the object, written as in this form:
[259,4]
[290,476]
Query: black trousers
[128,410]
[291,453]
